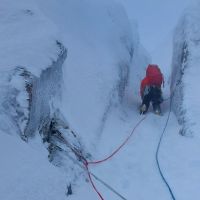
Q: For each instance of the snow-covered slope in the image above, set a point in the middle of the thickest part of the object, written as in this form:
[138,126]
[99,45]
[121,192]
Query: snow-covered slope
[186,69]
[29,47]
[28,38]
[101,47]
[103,53]
[29,44]
[26,173]
[87,105]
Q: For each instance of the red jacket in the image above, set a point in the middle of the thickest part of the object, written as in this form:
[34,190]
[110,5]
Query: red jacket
[153,77]
[146,82]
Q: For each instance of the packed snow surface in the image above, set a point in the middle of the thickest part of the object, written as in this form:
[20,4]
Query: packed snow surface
[26,172]
[100,100]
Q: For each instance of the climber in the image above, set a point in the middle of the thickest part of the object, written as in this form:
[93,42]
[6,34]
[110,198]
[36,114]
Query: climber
[150,89]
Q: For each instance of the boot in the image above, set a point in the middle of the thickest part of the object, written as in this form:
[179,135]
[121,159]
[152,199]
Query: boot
[143,109]
[157,110]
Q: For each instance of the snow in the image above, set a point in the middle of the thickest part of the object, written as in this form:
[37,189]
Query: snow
[186,69]
[155,19]
[96,94]
[28,38]
[183,163]
[162,55]
[29,43]
[133,171]
[95,81]
[26,173]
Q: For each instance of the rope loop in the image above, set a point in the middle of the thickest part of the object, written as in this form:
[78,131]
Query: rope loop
[87,163]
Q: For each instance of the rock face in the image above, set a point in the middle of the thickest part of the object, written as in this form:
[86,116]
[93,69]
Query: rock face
[65,65]
[29,46]
[104,56]
[185,71]
[44,91]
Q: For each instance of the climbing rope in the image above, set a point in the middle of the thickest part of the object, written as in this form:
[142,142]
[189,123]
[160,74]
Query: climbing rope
[84,166]
[91,181]
[123,144]
[158,149]
[90,174]
[108,186]
[86,163]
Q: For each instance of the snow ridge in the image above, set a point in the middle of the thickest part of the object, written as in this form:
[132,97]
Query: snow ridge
[185,70]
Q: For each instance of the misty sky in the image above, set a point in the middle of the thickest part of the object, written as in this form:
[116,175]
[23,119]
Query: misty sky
[156,18]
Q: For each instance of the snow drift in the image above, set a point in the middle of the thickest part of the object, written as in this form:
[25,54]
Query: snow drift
[26,173]
[30,48]
[29,44]
[65,101]
[101,47]
[186,69]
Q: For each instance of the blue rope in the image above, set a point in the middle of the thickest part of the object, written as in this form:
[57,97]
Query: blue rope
[158,148]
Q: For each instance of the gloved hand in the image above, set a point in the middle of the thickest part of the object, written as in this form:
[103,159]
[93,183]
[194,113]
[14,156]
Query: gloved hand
[143,109]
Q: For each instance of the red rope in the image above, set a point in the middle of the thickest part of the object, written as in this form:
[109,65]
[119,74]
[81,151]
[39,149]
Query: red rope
[116,151]
[91,181]
[86,163]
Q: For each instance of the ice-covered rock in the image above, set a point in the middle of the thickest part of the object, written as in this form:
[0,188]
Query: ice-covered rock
[67,103]
[186,70]
[103,53]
